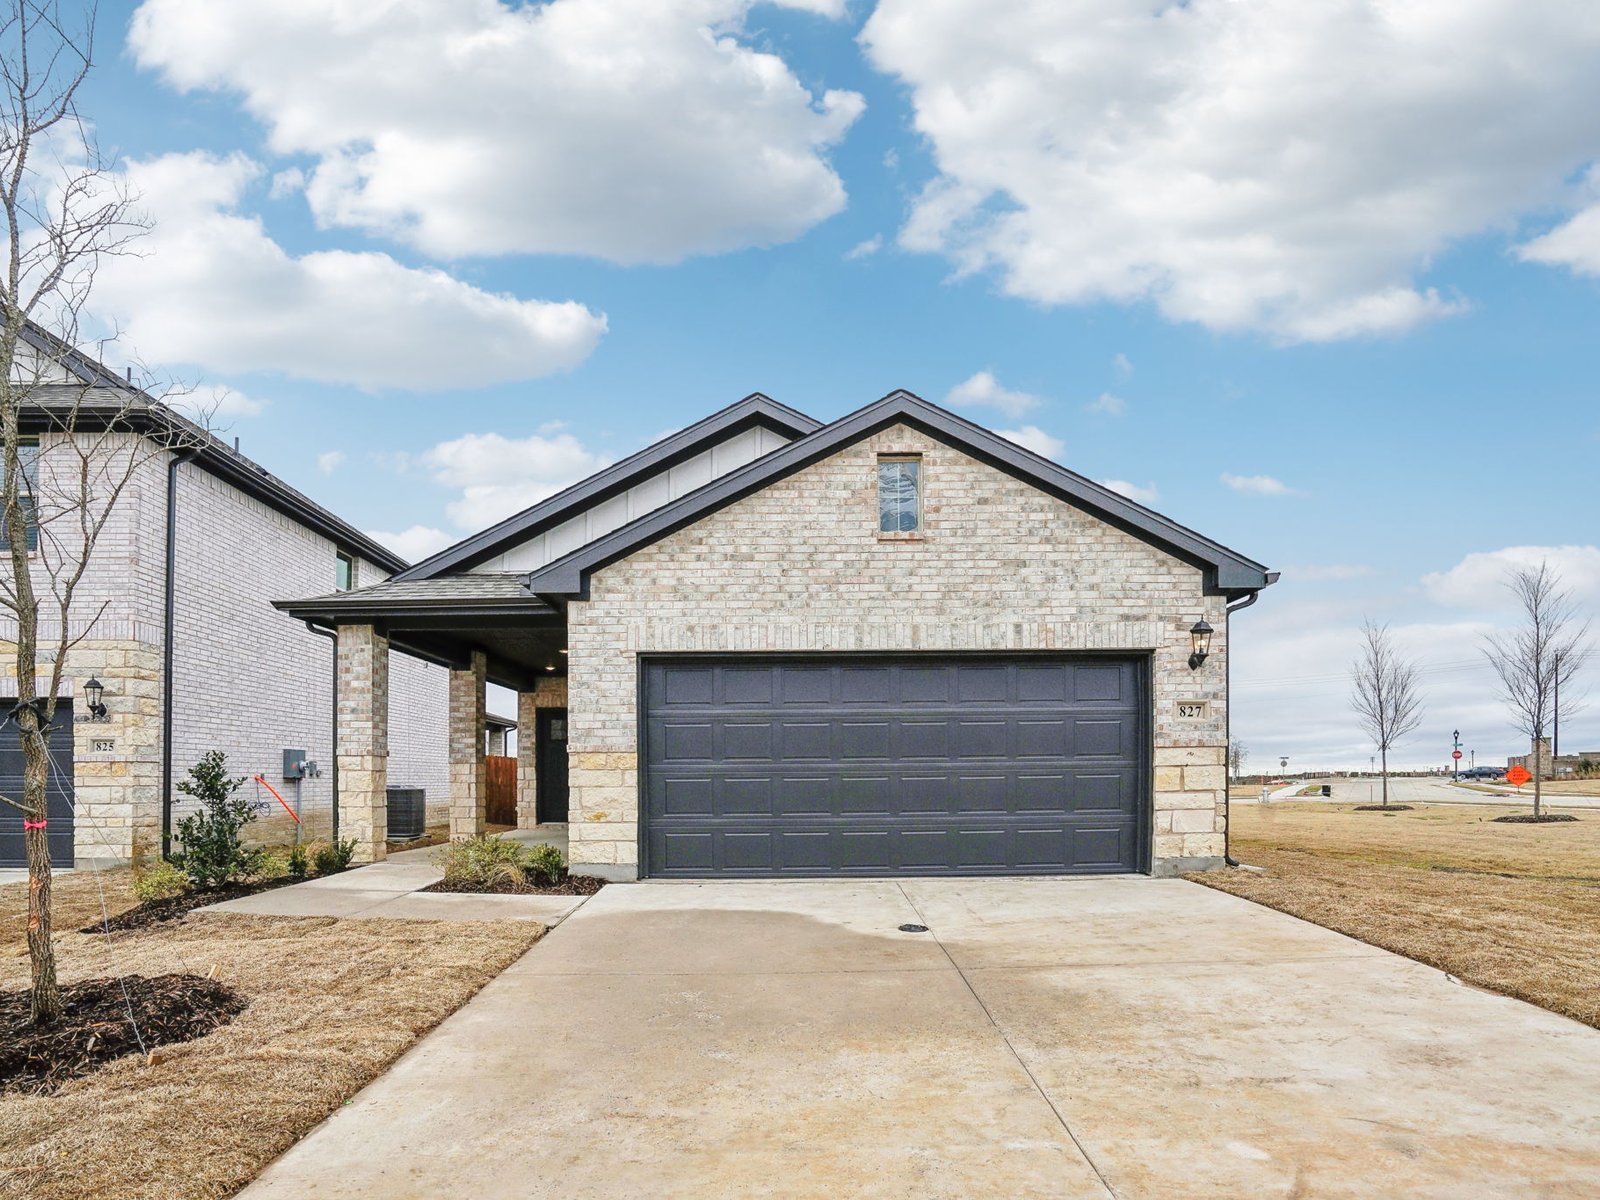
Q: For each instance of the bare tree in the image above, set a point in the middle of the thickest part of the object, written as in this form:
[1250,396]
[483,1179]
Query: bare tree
[1237,753]
[72,437]
[1534,663]
[1384,693]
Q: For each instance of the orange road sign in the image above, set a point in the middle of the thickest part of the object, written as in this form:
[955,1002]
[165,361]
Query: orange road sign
[1518,775]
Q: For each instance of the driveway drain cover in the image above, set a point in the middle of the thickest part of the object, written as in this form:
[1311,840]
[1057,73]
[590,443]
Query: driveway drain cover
[913,929]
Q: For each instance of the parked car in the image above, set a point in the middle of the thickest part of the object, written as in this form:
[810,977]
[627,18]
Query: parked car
[1483,773]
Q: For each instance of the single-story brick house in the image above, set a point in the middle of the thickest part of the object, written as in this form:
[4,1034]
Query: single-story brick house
[765,646]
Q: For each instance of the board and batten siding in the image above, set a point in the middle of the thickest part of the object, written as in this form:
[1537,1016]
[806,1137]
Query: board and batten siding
[648,494]
[800,566]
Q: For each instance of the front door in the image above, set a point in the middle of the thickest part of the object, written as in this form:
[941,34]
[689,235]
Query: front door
[551,730]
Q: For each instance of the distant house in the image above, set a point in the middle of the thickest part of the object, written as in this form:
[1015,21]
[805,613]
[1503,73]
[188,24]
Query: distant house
[766,646]
[180,633]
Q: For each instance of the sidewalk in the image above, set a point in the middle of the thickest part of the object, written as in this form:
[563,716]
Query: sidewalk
[393,890]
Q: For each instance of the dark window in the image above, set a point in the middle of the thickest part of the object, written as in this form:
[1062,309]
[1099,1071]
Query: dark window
[28,457]
[344,576]
[899,495]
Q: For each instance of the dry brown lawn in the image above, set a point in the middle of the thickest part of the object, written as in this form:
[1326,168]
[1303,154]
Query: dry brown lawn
[1512,908]
[332,1003]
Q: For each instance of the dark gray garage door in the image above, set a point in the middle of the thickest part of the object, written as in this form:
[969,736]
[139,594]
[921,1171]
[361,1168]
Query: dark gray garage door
[12,853]
[924,766]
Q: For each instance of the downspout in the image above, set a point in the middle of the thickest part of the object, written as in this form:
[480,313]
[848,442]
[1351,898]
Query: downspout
[168,627]
[1227,725]
[334,638]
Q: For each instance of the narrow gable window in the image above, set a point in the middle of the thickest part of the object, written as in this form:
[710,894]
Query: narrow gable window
[344,571]
[899,494]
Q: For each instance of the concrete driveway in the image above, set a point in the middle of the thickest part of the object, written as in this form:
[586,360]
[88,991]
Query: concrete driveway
[1125,1036]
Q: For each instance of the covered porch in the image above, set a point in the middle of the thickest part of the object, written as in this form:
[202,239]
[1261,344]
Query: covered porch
[483,629]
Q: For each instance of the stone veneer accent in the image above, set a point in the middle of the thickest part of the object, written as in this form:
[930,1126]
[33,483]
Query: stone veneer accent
[548,693]
[363,657]
[469,785]
[800,566]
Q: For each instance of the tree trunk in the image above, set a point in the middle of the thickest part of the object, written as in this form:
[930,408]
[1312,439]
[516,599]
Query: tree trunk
[1386,778]
[1538,779]
[45,995]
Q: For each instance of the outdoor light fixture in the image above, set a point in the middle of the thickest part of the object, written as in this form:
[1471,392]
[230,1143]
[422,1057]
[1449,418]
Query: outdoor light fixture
[1199,643]
[94,691]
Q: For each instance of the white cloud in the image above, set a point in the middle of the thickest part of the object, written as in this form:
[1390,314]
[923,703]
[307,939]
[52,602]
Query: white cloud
[211,403]
[1107,404]
[1121,364]
[1478,580]
[984,390]
[287,183]
[1260,485]
[499,476]
[414,544]
[1275,166]
[1329,572]
[631,132]
[1033,438]
[330,461]
[210,287]
[1140,495]
[865,249]
[1576,242]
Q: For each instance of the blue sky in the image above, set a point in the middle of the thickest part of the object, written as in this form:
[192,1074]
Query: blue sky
[1185,245]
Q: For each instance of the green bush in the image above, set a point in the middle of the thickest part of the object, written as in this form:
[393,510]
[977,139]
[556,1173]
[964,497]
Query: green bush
[547,865]
[274,864]
[330,857]
[213,853]
[160,882]
[299,863]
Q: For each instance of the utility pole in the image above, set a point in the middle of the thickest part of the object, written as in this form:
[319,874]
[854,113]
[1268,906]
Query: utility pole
[1555,725]
[1455,755]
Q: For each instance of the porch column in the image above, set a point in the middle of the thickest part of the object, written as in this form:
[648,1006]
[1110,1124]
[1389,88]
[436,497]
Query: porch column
[363,750]
[527,760]
[468,776]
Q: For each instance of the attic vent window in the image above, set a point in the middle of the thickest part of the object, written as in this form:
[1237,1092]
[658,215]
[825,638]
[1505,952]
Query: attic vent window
[899,493]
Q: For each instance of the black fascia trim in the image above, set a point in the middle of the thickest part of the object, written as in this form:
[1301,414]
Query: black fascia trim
[754,410]
[1226,571]
[180,435]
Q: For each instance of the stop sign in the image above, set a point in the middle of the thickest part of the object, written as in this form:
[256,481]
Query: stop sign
[1455,754]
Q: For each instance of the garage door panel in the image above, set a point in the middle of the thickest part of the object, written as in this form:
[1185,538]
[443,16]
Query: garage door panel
[915,765]
[59,793]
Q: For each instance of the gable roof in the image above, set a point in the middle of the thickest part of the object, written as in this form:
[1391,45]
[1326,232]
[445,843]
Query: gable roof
[1227,572]
[755,409]
[102,398]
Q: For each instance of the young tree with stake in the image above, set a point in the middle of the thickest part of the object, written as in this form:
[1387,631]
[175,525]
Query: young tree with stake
[1534,664]
[1384,694]
[71,438]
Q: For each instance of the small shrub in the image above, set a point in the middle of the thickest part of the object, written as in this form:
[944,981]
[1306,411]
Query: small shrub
[160,882]
[213,853]
[274,864]
[298,863]
[330,857]
[547,865]
[476,861]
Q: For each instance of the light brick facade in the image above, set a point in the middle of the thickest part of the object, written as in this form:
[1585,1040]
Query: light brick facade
[800,566]
[468,782]
[247,679]
[364,739]
[549,693]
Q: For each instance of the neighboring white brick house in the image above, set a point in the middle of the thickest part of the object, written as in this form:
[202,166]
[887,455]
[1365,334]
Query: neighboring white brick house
[246,680]
[786,667]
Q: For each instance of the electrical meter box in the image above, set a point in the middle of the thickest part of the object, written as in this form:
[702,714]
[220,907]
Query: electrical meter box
[294,764]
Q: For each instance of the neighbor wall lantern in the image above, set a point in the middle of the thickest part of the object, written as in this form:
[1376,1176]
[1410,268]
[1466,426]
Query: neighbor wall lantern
[1199,644]
[94,692]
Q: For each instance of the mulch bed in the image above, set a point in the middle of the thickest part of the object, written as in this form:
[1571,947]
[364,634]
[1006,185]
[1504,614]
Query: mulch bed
[572,885]
[1383,808]
[155,912]
[1530,819]
[94,1027]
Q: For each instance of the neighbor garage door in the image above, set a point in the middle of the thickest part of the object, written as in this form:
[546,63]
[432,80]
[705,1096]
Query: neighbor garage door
[872,766]
[59,796]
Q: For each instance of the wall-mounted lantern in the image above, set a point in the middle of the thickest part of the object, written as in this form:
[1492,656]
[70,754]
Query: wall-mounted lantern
[1199,643]
[94,692]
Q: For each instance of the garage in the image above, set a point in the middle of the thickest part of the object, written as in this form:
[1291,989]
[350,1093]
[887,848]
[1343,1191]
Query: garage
[769,766]
[12,851]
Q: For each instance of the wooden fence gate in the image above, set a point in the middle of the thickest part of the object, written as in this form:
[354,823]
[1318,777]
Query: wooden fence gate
[502,789]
